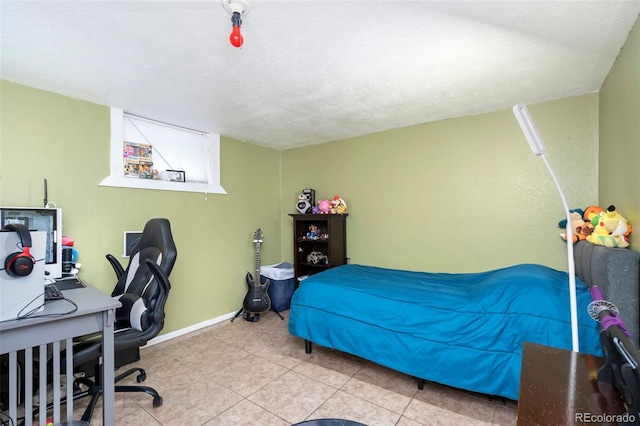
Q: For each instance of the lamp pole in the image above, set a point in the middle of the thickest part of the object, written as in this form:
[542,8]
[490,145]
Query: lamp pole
[537,146]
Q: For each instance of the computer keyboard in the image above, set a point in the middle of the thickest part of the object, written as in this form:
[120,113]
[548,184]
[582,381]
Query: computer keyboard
[52,292]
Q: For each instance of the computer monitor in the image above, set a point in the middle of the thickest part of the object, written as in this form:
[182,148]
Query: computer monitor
[40,219]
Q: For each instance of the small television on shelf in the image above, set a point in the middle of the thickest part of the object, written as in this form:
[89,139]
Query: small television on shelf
[44,219]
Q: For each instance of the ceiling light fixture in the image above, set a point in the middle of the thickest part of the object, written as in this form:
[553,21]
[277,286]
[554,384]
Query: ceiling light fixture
[236,8]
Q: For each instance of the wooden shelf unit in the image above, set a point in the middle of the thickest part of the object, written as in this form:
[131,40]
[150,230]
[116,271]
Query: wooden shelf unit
[334,246]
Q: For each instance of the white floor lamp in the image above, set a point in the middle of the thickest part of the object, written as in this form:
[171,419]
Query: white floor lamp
[537,146]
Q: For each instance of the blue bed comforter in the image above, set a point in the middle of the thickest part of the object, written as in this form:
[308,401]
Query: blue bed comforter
[462,330]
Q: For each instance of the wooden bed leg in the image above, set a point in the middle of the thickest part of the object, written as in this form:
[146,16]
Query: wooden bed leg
[421,384]
[307,346]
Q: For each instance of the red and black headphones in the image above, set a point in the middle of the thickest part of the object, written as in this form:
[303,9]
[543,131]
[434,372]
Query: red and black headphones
[20,263]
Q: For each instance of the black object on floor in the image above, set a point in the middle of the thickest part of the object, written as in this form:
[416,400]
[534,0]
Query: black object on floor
[329,422]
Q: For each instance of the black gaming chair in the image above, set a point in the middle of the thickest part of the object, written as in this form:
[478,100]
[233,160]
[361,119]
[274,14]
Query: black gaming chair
[142,289]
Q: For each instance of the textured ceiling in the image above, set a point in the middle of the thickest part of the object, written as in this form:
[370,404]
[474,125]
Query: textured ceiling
[312,71]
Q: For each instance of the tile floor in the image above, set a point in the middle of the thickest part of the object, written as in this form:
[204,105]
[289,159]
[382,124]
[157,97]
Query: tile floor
[245,373]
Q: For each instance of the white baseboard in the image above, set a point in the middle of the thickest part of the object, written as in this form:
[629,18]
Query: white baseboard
[186,330]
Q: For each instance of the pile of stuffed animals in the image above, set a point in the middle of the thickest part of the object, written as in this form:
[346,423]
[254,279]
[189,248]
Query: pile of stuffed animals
[606,228]
[335,206]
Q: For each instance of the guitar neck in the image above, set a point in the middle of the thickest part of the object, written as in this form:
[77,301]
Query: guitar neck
[258,263]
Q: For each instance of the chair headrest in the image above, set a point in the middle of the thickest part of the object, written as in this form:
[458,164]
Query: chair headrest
[157,233]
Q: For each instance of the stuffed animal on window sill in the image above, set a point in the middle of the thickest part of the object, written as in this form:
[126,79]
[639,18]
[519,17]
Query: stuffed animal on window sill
[610,229]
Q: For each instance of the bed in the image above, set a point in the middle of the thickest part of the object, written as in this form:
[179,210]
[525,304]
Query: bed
[463,330]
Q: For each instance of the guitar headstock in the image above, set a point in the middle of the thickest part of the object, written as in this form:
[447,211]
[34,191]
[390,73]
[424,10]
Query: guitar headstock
[257,236]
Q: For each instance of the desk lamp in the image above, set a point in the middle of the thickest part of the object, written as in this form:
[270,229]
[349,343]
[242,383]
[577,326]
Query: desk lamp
[537,146]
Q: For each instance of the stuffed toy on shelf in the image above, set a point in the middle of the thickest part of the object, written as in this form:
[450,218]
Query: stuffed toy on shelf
[303,205]
[338,205]
[324,207]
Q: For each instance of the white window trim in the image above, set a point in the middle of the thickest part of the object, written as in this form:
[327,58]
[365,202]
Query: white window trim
[117,178]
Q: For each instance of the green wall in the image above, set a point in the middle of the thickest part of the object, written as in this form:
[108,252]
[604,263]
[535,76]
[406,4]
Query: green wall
[620,134]
[457,195]
[45,135]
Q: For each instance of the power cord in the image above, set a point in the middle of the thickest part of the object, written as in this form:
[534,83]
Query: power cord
[8,422]
[31,313]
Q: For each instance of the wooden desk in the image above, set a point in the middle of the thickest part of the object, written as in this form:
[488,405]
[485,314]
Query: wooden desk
[96,313]
[560,387]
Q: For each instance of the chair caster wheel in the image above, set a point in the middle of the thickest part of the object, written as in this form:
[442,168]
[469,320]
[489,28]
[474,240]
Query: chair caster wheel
[141,377]
[157,402]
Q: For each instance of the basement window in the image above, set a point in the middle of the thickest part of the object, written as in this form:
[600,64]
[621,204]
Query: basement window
[149,154]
